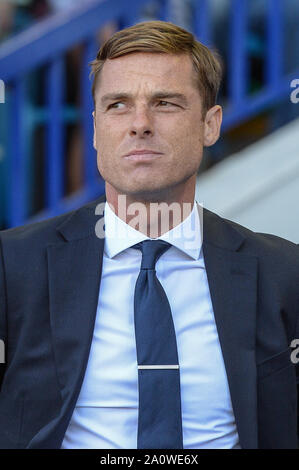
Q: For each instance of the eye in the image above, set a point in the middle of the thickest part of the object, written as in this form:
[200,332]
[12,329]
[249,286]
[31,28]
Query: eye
[167,102]
[113,105]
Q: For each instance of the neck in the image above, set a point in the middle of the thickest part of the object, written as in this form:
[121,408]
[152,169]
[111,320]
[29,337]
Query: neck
[152,214]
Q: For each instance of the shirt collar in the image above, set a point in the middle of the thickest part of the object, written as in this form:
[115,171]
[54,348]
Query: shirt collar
[186,236]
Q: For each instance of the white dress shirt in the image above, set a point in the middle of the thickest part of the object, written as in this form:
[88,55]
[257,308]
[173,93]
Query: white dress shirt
[106,413]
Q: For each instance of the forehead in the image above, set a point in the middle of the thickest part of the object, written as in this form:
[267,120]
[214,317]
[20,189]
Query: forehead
[147,69]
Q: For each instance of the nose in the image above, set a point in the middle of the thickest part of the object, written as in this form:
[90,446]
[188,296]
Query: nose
[142,123]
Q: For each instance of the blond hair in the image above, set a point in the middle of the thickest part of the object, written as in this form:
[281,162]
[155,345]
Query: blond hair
[164,37]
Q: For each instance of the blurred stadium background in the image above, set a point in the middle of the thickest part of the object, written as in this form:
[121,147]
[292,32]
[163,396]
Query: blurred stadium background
[47,161]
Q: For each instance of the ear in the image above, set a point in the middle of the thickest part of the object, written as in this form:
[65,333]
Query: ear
[94,131]
[212,125]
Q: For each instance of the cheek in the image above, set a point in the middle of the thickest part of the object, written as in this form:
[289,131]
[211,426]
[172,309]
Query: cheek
[105,143]
[103,134]
[183,132]
[110,134]
[188,144]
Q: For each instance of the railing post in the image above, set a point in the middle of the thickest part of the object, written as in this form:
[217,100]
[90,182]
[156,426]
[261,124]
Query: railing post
[89,153]
[17,166]
[274,69]
[238,57]
[130,16]
[164,13]
[54,177]
[202,21]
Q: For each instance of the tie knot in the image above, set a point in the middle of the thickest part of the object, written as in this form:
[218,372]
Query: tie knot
[151,252]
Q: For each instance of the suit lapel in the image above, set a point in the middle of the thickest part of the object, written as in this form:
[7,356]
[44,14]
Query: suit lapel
[74,273]
[232,278]
[74,270]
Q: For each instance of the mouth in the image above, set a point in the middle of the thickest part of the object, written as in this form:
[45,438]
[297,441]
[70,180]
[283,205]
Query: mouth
[142,157]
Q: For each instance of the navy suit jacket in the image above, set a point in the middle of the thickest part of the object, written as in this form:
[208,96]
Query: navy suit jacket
[50,275]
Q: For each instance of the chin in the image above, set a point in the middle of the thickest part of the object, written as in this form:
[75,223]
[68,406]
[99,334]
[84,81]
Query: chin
[151,194]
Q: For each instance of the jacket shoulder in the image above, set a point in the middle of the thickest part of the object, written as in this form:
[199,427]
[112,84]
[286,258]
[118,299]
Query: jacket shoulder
[265,241]
[228,234]
[44,232]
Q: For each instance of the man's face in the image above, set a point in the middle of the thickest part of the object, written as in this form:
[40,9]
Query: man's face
[153,105]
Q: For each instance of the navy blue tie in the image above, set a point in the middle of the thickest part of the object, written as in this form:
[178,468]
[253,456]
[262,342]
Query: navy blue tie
[159,418]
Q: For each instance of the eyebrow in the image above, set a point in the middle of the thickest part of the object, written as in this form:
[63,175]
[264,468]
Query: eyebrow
[157,95]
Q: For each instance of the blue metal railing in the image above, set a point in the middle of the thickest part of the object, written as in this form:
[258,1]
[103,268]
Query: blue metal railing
[45,45]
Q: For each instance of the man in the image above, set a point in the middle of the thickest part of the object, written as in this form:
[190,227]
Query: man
[149,330]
